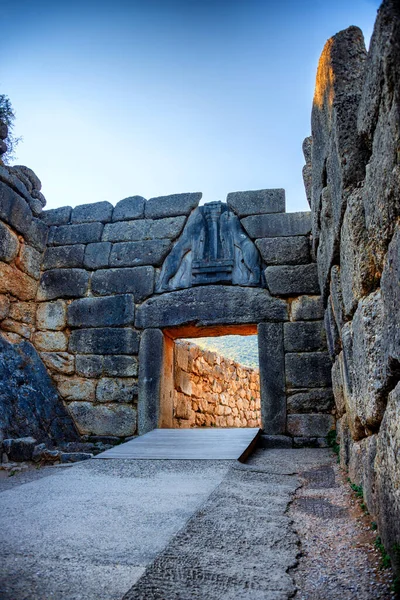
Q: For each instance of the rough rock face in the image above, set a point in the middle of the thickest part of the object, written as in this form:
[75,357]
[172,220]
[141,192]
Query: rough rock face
[355,199]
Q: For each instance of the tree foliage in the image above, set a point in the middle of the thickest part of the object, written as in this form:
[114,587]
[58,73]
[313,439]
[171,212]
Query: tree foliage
[7,116]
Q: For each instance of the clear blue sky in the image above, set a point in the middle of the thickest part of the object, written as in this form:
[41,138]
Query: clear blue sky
[153,97]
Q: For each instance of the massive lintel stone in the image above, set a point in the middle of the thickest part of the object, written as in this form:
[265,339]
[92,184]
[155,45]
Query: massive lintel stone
[143,229]
[257,202]
[135,254]
[63,257]
[83,233]
[87,213]
[129,208]
[207,305]
[138,281]
[277,225]
[172,206]
[104,341]
[292,280]
[63,283]
[102,312]
[285,250]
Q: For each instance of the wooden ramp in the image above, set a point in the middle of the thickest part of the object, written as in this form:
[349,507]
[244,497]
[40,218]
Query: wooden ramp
[188,444]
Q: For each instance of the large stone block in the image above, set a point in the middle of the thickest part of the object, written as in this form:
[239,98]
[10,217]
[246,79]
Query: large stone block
[118,420]
[151,359]
[51,315]
[15,282]
[338,385]
[304,336]
[88,213]
[285,250]
[4,307]
[116,390]
[337,297]
[14,210]
[310,425]
[89,365]
[97,255]
[172,206]
[138,281]
[272,377]
[134,254]
[120,366]
[50,341]
[277,225]
[19,449]
[257,202]
[37,234]
[63,283]
[29,261]
[208,305]
[308,370]
[63,257]
[23,311]
[9,244]
[84,233]
[143,229]
[332,333]
[76,388]
[391,302]
[307,308]
[129,208]
[104,341]
[60,362]
[292,280]
[319,400]
[57,216]
[102,312]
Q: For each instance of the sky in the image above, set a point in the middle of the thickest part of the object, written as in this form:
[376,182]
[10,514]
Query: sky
[115,98]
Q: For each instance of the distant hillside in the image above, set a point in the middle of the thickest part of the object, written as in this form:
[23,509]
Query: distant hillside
[242,349]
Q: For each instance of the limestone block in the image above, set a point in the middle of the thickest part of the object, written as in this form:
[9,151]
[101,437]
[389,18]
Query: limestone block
[308,370]
[23,311]
[332,333]
[120,366]
[63,283]
[182,355]
[97,255]
[21,329]
[292,280]
[257,202]
[316,425]
[83,233]
[172,206]
[9,244]
[391,301]
[14,210]
[338,385]
[134,254]
[4,307]
[285,250]
[51,315]
[116,390]
[129,208]
[37,234]
[355,429]
[60,362]
[76,388]
[209,305]
[272,377]
[319,400]
[104,341]
[16,283]
[277,225]
[63,257]
[57,216]
[307,308]
[337,297]
[304,336]
[182,407]
[182,382]
[138,281]
[50,341]
[88,213]
[150,374]
[107,311]
[143,229]
[89,365]
[29,261]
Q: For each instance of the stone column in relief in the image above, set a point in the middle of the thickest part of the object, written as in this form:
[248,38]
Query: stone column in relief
[272,378]
[151,354]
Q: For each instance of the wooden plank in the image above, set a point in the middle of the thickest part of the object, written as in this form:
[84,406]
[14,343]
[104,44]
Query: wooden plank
[188,444]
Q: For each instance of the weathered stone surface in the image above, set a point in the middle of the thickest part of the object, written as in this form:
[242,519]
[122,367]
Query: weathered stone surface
[76,388]
[138,281]
[129,208]
[391,302]
[338,385]
[308,370]
[63,257]
[116,390]
[211,304]
[23,311]
[60,362]
[4,307]
[30,404]
[272,377]
[63,283]
[118,420]
[355,429]
[310,425]
[51,315]
[104,341]
[120,366]
[88,213]
[84,233]
[57,216]
[307,308]
[307,169]
[337,298]
[313,401]
[37,234]
[332,333]
[304,336]
[9,244]
[16,283]
[89,365]
[257,202]
[171,206]
[73,457]
[14,210]
[143,229]
[277,225]
[19,449]
[24,331]
[285,250]
[102,312]
[150,373]
[292,280]
[134,254]
[50,341]
[29,261]
[275,441]
[97,255]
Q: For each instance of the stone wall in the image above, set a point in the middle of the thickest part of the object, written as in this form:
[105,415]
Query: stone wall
[352,178]
[213,391]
